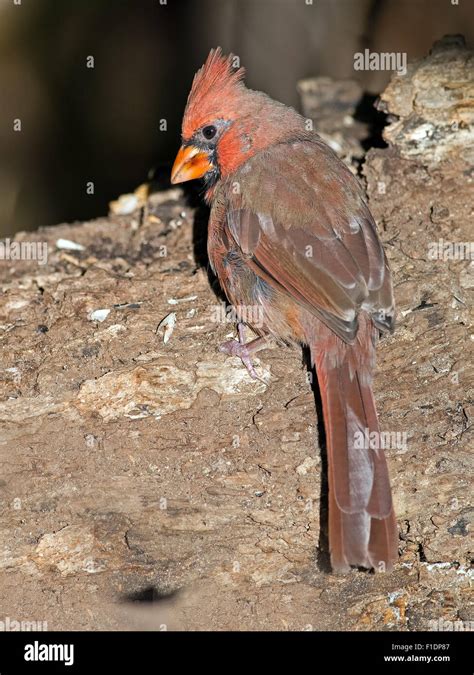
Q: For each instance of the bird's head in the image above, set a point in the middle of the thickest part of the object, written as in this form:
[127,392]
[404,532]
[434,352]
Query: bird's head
[224,123]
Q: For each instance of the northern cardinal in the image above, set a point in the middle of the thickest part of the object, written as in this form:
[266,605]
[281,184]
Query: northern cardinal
[290,232]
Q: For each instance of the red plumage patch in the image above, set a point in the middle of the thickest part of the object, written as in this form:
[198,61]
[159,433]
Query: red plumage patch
[215,88]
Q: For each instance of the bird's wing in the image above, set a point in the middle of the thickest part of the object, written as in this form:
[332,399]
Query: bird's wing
[300,219]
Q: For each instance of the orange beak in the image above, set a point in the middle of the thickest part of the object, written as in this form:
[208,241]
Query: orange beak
[190,163]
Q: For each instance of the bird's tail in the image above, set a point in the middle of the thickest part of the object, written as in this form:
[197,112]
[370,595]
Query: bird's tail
[362,525]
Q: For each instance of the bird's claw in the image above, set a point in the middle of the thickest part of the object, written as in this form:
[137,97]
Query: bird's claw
[236,348]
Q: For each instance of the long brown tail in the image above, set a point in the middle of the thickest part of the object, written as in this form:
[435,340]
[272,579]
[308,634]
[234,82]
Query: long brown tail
[362,525]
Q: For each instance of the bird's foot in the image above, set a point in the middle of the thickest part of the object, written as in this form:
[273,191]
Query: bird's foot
[234,348]
[244,351]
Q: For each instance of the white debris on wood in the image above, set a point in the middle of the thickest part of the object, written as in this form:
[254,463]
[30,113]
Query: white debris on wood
[130,202]
[99,315]
[67,245]
[167,325]
[174,301]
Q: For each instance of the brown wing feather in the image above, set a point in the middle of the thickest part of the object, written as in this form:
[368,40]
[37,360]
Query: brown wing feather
[308,230]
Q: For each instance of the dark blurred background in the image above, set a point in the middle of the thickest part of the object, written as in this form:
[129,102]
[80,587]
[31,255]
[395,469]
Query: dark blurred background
[102,124]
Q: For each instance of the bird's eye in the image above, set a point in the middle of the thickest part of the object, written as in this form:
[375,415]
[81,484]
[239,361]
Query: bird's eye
[209,132]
